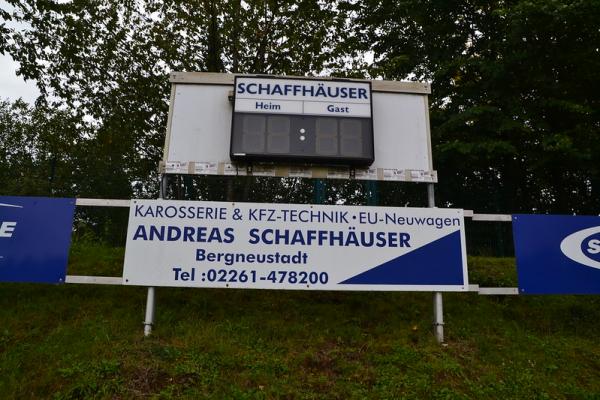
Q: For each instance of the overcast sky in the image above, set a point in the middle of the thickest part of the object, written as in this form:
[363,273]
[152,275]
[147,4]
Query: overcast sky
[13,86]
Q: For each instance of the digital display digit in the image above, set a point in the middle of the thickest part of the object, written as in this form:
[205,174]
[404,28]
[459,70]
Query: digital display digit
[253,133]
[351,143]
[326,134]
[278,134]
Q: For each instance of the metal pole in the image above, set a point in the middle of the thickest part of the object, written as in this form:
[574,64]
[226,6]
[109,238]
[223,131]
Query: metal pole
[438,317]
[438,304]
[151,296]
[149,320]
[319,191]
[162,187]
[372,193]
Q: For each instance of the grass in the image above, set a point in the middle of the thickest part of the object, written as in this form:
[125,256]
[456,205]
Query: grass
[84,341]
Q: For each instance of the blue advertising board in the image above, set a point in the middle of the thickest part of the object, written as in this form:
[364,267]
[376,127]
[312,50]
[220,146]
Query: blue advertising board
[35,236]
[557,254]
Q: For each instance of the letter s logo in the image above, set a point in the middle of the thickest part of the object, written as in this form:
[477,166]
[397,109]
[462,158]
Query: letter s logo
[593,246]
[583,247]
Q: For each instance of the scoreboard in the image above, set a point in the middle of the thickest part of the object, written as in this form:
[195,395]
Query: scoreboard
[298,127]
[302,121]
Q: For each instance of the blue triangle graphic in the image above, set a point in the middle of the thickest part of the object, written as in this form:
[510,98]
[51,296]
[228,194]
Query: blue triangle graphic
[437,263]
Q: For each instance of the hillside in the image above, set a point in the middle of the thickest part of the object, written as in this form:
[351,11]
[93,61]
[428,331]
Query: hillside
[83,341]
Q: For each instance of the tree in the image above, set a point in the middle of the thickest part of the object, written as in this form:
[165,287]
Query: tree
[108,65]
[514,109]
[36,156]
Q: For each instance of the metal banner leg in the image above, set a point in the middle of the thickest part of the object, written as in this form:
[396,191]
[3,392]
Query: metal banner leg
[151,297]
[438,317]
[149,320]
[438,303]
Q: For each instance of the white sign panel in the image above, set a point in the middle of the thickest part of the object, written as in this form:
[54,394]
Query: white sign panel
[290,246]
[200,121]
[303,96]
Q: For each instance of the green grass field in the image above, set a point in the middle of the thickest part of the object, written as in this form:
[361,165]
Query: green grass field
[84,341]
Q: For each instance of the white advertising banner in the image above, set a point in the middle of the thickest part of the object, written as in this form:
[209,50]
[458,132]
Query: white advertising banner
[292,246]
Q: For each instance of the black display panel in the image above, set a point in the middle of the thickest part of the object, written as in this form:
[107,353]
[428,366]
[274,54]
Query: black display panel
[302,139]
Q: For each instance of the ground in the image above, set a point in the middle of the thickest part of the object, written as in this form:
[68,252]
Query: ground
[83,341]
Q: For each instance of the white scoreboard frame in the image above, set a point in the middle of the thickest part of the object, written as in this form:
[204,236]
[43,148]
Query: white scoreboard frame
[199,131]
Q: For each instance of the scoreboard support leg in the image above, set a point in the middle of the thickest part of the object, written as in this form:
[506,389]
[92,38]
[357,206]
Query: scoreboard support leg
[438,303]
[162,186]
[319,191]
[372,193]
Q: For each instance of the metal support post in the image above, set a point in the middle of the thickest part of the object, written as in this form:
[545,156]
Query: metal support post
[438,317]
[319,191]
[438,304]
[162,187]
[149,320]
[372,193]
[150,297]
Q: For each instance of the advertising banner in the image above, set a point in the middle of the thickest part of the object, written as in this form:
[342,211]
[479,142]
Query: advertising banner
[557,254]
[35,236]
[290,246]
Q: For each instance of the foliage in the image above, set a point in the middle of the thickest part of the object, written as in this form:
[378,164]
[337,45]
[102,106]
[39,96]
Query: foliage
[105,67]
[515,108]
[108,66]
[37,150]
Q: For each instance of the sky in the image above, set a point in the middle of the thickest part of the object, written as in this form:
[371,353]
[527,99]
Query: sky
[12,86]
